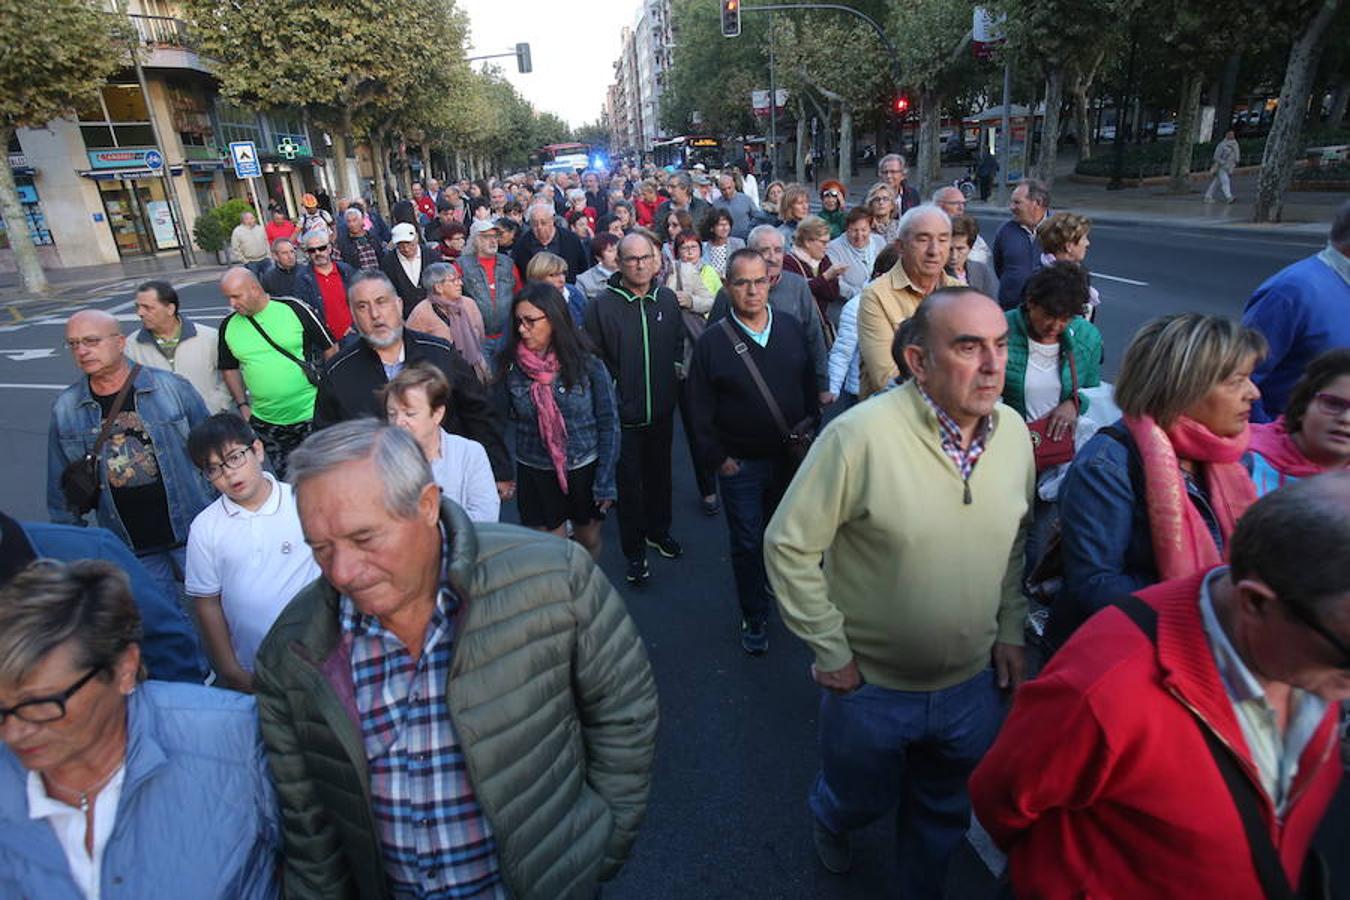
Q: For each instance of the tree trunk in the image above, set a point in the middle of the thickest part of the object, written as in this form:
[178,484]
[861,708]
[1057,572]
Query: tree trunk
[1054,99]
[801,142]
[845,144]
[342,145]
[1277,164]
[1338,102]
[16,226]
[929,120]
[1223,104]
[378,161]
[1082,127]
[1188,118]
[404,168]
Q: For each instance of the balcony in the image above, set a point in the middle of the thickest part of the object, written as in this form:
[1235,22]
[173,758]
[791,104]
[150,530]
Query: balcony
[168,44]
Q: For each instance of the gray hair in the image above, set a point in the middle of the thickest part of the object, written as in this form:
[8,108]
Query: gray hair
[399,462]
[937,195]
[434,274]
[574,193]
[758,233]
[354,211]
[50,603]
[314,233]
[364,275]
[892,157]
[914,214]
[1037,191]
[681,181]
[547,207]
[1294,541]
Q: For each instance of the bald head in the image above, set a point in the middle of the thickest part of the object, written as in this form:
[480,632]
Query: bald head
[958,352]
[242,291]
[95,340]
[94,318]
[950,200]
[639,260]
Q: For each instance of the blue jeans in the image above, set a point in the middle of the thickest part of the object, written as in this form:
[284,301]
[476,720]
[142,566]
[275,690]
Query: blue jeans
[167,568]
[912,751]
[749,499]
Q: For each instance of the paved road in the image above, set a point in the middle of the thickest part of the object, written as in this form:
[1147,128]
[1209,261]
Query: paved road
[737,738]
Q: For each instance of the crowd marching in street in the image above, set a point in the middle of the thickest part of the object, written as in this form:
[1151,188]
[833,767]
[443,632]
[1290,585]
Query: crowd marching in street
[277,639]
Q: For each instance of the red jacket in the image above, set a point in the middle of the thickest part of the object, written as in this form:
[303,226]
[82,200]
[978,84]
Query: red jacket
[1101,784]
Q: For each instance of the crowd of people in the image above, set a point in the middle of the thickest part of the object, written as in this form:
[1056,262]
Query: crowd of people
[299,651]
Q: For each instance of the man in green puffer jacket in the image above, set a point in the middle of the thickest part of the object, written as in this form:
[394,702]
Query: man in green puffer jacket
[453,706]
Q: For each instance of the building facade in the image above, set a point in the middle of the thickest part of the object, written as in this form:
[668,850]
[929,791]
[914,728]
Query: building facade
[640,76]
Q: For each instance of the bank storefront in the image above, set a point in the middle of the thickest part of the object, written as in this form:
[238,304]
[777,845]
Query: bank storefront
[135,204]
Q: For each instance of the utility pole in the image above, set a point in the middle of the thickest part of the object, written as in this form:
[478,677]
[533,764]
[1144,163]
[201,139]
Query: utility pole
[1005,131]
[773,109]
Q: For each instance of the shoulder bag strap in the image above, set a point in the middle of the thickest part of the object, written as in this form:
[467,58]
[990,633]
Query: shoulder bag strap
[304,367]
[1073,379]
[118,402]
[1266,859]
[743,352]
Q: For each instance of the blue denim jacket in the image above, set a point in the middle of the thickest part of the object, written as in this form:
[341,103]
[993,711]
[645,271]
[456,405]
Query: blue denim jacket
[169,407]
[197,817]
[1107,541]
[592,418]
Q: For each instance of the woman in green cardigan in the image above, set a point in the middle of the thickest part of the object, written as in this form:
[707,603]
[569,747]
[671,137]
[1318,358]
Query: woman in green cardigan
[1042,333]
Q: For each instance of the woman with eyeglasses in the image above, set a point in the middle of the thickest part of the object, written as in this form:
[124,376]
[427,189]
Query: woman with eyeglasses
[567,421]
[792,208]
[809,259]
[881,201]
[551,268]
[1313,435]
[111,784]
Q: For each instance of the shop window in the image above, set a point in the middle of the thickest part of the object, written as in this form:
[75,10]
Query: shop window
[32,214]
[191,139]
[134,135]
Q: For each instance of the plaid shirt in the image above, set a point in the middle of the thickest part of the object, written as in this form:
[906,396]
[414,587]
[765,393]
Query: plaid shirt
[365,251]
[964,458]
[437,842]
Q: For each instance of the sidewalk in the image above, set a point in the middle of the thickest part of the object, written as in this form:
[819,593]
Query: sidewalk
[83,283]
[1305,212]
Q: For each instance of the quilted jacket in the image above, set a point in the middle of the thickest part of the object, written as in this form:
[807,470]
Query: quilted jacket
[552,699]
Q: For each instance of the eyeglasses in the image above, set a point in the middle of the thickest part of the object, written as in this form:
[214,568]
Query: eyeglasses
[233,460]
[528,322]
[323,249]
[1306,618]
[747,282]
[635,260]
[47,709]
[89,342]
[1331,404]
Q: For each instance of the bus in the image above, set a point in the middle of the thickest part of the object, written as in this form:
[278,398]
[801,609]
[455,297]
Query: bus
[686,151]
[569,158]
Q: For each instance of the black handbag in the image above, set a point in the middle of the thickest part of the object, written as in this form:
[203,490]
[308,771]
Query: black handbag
[80,484]
[313,373]
[797,438]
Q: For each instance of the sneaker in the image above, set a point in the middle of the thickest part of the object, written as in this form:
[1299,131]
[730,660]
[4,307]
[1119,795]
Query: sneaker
[754,637]
[638,571]
[666,545]
[710,506]
[835,851]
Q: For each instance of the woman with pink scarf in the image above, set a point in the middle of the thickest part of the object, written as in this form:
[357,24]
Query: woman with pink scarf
[1156,495]
[567,422]
[1313,435]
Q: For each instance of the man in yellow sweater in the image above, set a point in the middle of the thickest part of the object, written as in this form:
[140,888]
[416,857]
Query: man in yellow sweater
[918,500]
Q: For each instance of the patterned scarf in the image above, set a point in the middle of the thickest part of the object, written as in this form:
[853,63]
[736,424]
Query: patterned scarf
[542,372]
[1182,544]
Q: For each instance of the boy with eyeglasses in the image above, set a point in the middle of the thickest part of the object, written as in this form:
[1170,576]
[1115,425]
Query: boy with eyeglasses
[246,552]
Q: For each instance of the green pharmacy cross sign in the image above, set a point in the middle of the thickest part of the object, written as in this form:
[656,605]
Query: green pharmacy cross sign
[289,149]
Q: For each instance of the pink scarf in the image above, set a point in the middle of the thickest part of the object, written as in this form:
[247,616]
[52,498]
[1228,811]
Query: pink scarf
[542,372]
[1182,544]
[1278,447]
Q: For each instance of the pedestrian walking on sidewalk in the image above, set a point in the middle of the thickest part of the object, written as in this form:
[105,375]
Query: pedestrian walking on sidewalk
[1226,157]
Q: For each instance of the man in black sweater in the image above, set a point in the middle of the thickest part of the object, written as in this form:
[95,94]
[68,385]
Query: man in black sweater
[636,328]
[736,431]
[378,348]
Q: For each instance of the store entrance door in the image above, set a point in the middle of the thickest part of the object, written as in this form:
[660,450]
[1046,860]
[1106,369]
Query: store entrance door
[125,218]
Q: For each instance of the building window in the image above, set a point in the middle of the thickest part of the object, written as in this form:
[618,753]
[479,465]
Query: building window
[237,123]
[119,118]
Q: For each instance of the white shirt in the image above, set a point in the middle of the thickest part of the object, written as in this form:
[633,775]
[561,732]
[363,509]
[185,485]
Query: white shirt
[1042,387]
[255,560]
[981,253]
[68,824]
[411,267]
[464,475]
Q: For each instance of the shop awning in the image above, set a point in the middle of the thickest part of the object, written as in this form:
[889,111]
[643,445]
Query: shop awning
[135,172]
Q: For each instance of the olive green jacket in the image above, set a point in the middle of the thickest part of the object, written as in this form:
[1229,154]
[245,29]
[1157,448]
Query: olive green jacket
[552,699]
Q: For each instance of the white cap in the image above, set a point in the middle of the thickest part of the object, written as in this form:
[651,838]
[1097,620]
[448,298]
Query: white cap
[403,232]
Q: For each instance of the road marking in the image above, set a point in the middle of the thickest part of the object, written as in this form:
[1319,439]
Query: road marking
[1096,274]
[40,387]
[14,314]
[24,355]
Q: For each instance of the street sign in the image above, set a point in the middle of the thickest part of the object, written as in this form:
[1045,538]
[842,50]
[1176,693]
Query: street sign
[154,160]
[245,156]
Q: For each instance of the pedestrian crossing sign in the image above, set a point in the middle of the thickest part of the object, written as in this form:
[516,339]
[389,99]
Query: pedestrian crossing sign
[245,157]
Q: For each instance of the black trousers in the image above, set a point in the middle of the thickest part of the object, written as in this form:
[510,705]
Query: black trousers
[279,440]
[707,484]
[644,484]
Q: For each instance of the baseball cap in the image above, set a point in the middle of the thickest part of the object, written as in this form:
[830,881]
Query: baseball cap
[483,225]
[403,232]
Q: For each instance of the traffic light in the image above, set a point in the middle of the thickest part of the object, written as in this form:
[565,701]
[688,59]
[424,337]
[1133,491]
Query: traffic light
[523,59]
[731,18]
[901,105]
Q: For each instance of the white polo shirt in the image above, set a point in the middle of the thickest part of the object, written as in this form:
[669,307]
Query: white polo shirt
[256,562]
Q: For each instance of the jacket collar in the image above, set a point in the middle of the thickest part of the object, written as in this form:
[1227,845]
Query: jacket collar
[143,384]
[187,330]
[615,283]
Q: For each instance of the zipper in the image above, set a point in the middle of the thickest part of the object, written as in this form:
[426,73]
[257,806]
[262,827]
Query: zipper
[1246,766]
[646,358]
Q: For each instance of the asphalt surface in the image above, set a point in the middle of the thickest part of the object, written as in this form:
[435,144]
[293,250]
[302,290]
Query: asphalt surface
[737,740]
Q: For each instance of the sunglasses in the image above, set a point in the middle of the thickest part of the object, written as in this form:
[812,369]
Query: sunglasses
[323,249]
